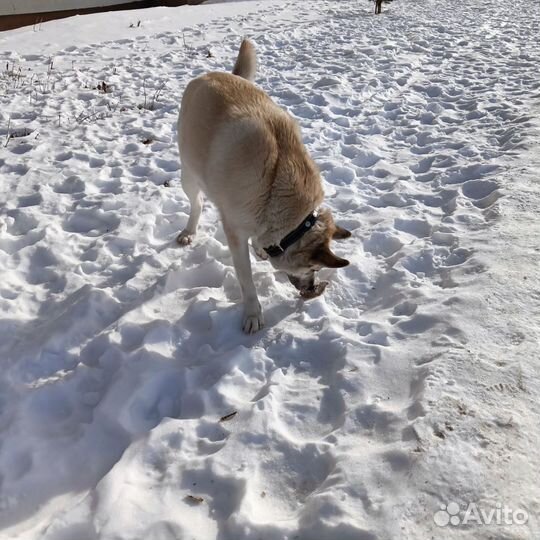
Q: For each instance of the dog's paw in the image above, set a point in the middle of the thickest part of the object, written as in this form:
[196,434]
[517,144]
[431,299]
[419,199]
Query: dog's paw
[185,238]
[253,321]
[260,254]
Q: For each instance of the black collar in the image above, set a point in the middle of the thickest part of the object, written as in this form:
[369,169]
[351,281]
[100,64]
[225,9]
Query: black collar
[292,237]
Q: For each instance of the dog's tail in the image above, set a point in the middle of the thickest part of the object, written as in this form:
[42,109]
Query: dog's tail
[246,63]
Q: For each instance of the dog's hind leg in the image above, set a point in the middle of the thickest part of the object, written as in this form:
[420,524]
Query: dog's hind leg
[193,192]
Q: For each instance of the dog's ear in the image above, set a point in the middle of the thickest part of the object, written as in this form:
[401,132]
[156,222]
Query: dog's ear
[324,256]
[340,233]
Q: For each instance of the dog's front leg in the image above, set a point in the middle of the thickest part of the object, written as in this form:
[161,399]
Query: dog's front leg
[253,318]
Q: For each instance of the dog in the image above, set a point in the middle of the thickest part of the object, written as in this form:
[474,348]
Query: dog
[245,154]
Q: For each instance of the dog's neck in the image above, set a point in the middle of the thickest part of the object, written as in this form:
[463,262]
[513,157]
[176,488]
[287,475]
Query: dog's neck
[277,225]
[293,237]
[279,228]
[294,190]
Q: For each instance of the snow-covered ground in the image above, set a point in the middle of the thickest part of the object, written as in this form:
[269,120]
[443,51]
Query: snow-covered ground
[131,405]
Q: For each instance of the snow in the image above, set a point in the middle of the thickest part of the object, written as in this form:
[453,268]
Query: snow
[55,36]
[131,404]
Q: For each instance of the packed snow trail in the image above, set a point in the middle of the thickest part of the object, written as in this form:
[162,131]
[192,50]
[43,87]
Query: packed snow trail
[357,414]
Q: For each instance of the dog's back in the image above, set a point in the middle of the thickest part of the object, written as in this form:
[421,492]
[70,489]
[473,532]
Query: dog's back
[238,143]
[214,99]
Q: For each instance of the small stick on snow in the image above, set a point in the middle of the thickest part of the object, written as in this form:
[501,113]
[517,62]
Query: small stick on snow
[194,500]
[228,416]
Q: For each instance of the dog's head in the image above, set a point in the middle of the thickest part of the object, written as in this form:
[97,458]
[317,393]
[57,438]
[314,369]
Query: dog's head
[312,252]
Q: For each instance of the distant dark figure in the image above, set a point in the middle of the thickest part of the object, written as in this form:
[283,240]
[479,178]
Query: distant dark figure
[378,5]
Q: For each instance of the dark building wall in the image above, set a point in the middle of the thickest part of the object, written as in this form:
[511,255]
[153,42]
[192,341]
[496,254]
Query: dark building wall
[8,22]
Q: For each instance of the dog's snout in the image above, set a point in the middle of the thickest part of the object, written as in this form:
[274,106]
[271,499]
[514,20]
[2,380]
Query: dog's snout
[303,283]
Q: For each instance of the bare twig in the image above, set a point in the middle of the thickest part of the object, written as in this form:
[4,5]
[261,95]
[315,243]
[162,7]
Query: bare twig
[229,416]
[8,136]
[156,96]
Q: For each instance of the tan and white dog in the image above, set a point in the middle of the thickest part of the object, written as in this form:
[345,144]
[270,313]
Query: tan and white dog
[246,155]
